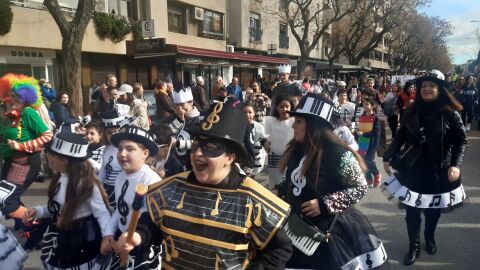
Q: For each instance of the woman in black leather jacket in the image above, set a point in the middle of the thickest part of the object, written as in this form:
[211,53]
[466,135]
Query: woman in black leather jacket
[427,153]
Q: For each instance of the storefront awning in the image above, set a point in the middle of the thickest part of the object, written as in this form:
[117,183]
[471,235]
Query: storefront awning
[225,55]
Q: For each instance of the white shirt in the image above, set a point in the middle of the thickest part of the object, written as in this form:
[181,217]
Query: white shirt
[124,195]
[94,205]
[346,135]
[110,168]
[279,133]
[347,110]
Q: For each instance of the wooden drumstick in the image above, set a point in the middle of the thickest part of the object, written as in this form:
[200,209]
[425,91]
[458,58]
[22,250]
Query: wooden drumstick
[137,204]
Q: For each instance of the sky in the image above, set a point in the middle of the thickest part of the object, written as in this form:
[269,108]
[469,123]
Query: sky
[462,43]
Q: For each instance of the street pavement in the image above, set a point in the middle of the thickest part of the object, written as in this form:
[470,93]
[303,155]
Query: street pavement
[457,237]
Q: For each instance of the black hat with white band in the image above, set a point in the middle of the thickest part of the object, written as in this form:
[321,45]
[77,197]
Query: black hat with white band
[111,119]
[136,134]
[317,107]
[69,145]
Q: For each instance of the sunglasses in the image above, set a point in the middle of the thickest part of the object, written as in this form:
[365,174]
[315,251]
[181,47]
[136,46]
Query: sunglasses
[210,147]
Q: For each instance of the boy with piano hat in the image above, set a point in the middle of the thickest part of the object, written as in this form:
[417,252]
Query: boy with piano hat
[215,217]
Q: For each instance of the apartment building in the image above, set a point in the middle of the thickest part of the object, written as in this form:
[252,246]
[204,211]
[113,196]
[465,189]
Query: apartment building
[253,28]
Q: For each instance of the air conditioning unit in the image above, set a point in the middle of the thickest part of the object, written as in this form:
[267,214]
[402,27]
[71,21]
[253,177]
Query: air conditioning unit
[198,13]
[230,48]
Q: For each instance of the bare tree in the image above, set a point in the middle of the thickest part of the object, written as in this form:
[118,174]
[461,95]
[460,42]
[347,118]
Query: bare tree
[72,31]
[308,21]
[365,28]
[420,43]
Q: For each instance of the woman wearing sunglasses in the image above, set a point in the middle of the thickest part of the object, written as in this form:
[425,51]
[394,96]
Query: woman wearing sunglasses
[215,217]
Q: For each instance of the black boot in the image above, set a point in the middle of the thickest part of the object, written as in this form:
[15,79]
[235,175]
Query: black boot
[430,245]
[413,228]
[431,220]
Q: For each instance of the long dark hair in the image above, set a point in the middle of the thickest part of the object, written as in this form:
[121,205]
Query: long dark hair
[82,178]
[317,136]
[445,101]
[278,100]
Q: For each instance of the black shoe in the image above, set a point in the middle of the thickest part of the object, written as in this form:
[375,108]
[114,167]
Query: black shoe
[430,246]
[412,255]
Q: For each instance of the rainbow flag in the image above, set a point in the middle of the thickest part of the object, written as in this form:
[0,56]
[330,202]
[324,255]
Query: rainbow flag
[363,143]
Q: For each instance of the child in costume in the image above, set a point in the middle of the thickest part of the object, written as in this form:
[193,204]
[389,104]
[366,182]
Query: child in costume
[110,168]
[257,139]
[278,131]
[94,132]
[134,145]
[79,222]
[22,138]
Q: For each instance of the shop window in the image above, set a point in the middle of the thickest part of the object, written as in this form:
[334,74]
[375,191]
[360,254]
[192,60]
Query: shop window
[283,38]
[213,24]
[255,27]
[176,19]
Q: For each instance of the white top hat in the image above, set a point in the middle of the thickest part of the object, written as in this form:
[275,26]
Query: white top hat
[182,96]
[284,69]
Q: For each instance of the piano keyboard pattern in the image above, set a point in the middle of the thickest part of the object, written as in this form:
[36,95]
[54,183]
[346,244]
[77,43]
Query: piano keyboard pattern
[305,244]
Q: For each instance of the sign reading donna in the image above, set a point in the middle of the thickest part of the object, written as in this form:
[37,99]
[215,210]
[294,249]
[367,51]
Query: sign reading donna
[15,53]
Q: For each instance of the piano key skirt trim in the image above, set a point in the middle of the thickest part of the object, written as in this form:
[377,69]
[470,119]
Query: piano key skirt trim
[353,244]
[11,252]
[393,188]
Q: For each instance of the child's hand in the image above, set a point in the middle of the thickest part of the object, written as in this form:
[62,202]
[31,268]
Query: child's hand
[359,133]
[107,245]
[29,215]
[267,146]
[122,248]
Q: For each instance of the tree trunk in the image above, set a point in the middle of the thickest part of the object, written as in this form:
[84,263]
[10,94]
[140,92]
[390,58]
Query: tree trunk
[72,70]
[330,66]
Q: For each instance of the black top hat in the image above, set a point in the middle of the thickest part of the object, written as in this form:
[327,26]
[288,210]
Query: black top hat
[227,122]
[69,145]
[316,107]
[136,134]
[111,119]
[433,76]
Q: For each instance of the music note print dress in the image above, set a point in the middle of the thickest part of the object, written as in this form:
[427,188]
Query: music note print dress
[11,252]
[353,243]
[109,172]
[79,247]
[124,195]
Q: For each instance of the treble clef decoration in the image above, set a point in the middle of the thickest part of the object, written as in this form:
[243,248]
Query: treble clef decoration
[122,205]
[108,167]
[418,201]
[369,262]
[213,118]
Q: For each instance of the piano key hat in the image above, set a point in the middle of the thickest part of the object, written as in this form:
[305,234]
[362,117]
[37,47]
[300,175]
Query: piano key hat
[111,119]
[316,107]
[69,145]
[136,134]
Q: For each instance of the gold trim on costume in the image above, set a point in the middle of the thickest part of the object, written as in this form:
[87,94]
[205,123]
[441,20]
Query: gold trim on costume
[254,185]
[258,219]
[180,204]
[215,210]
[204,240]
[203,221]
[154,186]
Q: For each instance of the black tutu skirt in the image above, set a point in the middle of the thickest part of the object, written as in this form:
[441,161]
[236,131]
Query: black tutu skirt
[353,244]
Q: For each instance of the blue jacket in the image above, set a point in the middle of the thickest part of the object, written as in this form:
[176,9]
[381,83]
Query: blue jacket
[48,93]
[236,91]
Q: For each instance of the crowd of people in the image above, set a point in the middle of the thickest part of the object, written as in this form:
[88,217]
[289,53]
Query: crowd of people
[199,159]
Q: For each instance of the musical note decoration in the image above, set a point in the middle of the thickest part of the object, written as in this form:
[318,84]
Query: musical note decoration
[368,261]
[435,201]
[418,201]
[169,254]
[215,210]
[218,262]
[122,206]
[248,221]
[258,219]
[406,197]
[180,204]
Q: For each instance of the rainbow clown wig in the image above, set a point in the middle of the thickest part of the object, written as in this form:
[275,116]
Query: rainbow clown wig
[23,88]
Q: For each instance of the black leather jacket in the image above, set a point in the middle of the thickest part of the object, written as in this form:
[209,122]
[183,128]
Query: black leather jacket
[446,140]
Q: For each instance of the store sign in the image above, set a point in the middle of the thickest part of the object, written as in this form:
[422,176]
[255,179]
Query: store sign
[15,53]
[148,29]
[149,45]
[194,60]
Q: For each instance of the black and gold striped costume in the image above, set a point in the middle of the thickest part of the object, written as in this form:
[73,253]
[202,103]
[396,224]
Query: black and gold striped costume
[216,227]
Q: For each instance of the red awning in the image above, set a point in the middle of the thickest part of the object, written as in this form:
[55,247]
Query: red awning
[225,55]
